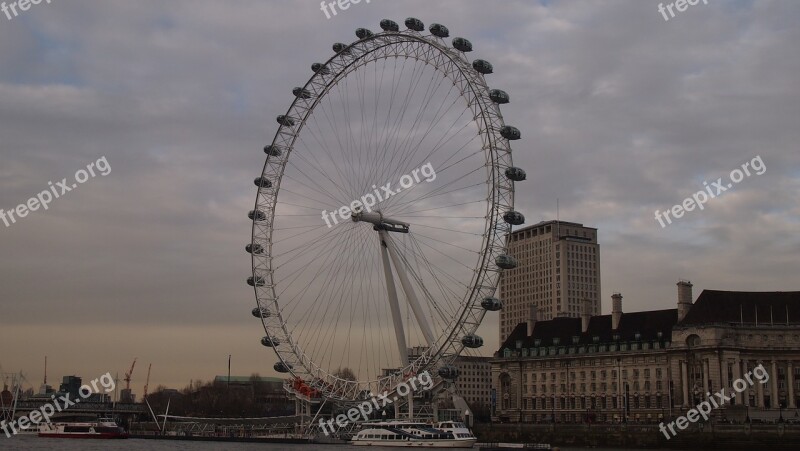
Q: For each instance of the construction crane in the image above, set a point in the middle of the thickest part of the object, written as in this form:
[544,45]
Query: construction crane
[147,383]
[128,375]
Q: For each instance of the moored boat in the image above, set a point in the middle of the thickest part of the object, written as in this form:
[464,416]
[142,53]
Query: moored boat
[100,429]
[447,434]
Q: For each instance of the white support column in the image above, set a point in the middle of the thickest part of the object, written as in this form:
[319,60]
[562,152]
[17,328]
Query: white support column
[409,291]
[775,398]
[706,376]
[790,383]
[685,383]
[737,369]
[397,319]
[760,390]
[724,370]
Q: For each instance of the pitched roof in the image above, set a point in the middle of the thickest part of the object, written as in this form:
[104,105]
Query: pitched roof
[715,306]
[646,324]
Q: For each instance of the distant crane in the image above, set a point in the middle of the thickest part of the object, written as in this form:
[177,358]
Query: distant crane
[128,375]
[147,383]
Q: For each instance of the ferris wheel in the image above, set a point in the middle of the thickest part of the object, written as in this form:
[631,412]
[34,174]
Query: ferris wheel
[383,210]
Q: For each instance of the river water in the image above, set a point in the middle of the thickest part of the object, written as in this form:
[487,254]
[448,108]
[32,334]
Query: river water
[52,444]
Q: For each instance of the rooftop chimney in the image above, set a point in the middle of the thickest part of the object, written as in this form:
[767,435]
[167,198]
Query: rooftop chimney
[532,319]
[616,310]
[684,298]
[586,315]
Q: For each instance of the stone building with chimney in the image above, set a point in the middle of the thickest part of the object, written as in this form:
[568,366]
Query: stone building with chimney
[646,366]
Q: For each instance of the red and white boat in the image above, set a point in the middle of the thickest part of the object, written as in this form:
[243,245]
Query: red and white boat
[100,429]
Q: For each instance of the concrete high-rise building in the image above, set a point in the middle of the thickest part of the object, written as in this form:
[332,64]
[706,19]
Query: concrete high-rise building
[558,270]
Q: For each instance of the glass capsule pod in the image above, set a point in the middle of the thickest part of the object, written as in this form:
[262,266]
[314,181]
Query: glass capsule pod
[462,44]
[389,25]
[257,215]
[510,133]
[514,217]
[506,261]
[439,30]
[516,174]
[254,249]
[258,281]
[483,66]
[499,96]
[363,33]
[415,24]
[262,182]
[492,304]
[472,341]
[273,151]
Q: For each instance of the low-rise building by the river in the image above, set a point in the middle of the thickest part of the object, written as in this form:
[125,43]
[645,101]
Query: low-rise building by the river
[645,366]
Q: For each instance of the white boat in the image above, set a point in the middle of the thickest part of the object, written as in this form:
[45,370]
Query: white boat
[446,434]
[100,429]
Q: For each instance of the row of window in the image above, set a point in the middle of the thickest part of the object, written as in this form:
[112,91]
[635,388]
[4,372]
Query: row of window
[636,372]
[593,387]
[609,361]
[584,349]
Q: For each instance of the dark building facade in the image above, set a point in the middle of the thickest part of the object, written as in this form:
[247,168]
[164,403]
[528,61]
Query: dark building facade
[646,366]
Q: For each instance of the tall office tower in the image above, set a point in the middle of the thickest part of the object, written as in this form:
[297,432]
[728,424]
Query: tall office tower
[558,268]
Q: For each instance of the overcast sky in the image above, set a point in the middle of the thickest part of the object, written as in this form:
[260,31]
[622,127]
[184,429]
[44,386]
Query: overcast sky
[622,113]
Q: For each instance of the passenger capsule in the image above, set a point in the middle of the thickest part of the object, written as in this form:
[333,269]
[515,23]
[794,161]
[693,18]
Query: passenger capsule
[320,68]
[261,312]
[439,30]
[492,304]
[254,249]
[262,182]
[285,120]
[510,133]
[462,44]
[301,93]
[448,372]
[506,261]
[415,24]
[472,341]
[257,282]
[483,66]
[282,367]
[257,215]
[270,342]
[499,96]
[341,48]
[516,174]
[389,25]
[514,217]
[273,151]
[363,33]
